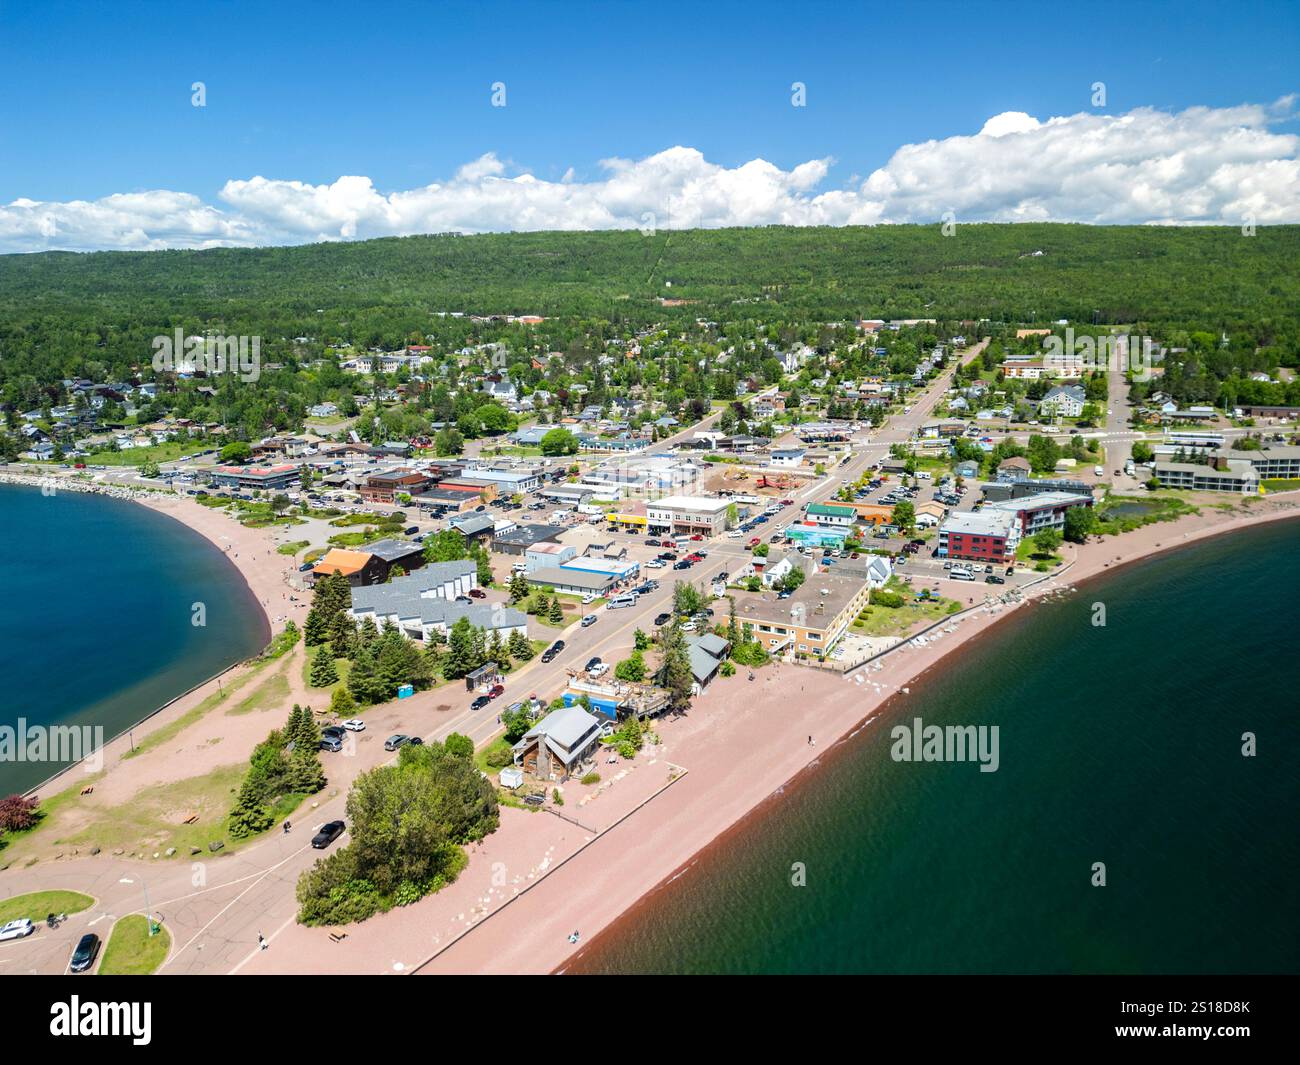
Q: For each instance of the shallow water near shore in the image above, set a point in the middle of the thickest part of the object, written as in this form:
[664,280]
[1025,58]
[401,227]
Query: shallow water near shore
[1119,744]
[96,618]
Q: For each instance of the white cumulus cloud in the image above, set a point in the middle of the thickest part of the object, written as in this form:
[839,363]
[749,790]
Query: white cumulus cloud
[1202,165]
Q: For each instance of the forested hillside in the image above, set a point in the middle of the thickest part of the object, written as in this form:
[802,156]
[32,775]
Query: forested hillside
[63,314]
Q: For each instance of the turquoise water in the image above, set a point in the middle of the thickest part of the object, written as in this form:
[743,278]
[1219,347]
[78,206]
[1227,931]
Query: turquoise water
[95,619]
[1119,744]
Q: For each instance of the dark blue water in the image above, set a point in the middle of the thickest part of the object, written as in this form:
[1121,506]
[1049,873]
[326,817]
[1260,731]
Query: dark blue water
[95,614]
[1119,744]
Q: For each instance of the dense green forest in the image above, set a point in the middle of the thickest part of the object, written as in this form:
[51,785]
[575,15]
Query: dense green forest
[67,315]
[1210,276]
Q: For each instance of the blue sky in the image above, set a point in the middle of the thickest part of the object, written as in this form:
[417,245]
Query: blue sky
[95,100]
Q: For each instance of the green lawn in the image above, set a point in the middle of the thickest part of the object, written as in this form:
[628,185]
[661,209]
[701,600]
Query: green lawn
[138,456]
[293,547]
[131,951]
[274,689]
[38,905]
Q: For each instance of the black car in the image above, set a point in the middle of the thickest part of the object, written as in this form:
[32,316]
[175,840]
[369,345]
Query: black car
[328,833]
[549,654]
[663,619]
[592,663]
[479,703]
[84,956]
[331,743]
[683,564]
[667,556]
[994,579]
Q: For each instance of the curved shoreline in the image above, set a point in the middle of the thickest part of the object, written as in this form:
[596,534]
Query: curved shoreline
[803,776]
[259,587]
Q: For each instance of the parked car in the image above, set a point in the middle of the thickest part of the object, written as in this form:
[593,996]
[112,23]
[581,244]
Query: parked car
[755,541]
[589,598]
[83,957]
[479,703]
[652,542]
[681,565]
[496,691]
[477,593]
[655,563]
[464,600]
[400,739]
[355,725]
[663,619]
[306,566]
[994,579]
[698,536]
[17,929]
[329,832]
[589,619]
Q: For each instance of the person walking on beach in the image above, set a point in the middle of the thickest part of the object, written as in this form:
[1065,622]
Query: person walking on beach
[810,742]
[261,941]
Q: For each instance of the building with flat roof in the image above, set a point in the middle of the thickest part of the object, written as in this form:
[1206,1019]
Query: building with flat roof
[688,515]
[522,537]
[808,624]
[266,478]
[1231,475]
[980,536]
[547,553]
[384,487]
[508,482]
[571,581]
[621,569]
[1039,512]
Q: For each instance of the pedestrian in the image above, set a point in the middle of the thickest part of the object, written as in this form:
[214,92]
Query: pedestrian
[810,741]
[261,941]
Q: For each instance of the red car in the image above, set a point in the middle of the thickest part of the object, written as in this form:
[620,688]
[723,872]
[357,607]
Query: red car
[496,690]
[477,593]
[787,502]
[694,558]
[698,536]
[755,541]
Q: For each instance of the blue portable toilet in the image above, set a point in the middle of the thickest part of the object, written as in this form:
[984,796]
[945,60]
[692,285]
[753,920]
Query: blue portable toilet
[405,691]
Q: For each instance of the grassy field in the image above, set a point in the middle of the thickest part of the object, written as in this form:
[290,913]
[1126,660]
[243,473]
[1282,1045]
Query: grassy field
[168,451]
[273,689]
[293,547]
[898,621]
[38,905]
[174,728]
[132,951]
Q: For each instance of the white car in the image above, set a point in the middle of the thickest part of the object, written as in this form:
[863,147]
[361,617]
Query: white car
[17,929]
[588,599]
[655,563]
[355,725]
[735,534]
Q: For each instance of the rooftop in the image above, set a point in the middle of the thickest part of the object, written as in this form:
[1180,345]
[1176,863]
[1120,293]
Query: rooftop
[818,601]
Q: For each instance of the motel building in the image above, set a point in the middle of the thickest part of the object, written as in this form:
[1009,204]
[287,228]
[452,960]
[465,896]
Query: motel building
[991,536]
[688,515]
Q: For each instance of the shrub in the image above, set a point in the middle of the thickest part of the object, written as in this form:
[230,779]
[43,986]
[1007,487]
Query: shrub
[591,778]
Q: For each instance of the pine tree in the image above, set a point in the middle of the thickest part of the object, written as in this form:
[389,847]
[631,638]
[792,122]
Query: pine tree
[556,613]
[478,646]
[496,650]
[369,634]
[316,631]
[250,814]
[306,775]
[460,650]
[323,671]
[341,702]
[521,648]
[364,681]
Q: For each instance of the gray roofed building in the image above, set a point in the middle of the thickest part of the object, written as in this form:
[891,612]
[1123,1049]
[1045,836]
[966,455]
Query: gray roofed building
[576,582]
[393,550]
[423,602]
[565,737]
[519,539]
[473,524]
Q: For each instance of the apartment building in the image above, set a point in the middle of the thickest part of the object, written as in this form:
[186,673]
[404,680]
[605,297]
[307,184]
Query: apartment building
[808,624]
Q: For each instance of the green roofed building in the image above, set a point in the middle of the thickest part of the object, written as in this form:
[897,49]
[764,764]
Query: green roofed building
[832,516]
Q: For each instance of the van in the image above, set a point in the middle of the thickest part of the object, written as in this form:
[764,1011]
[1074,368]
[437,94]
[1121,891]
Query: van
[622,600]
[961,573]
